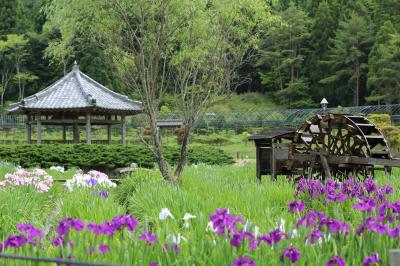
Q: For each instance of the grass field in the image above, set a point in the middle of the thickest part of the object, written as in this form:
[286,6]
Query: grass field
[203,190]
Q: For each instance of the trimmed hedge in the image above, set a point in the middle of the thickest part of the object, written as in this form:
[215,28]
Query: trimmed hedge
[103,157]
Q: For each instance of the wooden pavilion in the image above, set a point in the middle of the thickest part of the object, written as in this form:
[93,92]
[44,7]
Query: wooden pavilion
[76,100]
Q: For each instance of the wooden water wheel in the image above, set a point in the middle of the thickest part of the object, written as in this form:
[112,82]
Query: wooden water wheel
[339,135]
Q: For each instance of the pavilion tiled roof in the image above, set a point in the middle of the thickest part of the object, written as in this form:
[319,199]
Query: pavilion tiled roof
[77,91]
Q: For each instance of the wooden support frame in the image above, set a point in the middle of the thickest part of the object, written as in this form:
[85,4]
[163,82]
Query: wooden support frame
[75,130]
[333,159]
[88,128]
[75,120]
[64,134]
[123,130]
[28,130]
[39,130]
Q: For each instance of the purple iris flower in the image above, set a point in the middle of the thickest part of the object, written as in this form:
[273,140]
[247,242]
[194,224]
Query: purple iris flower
[365,204]
[387,189]
[91,250]
[104,248]
[394,233]
[34,234]
[95,228]
[243,261]
[225,223]
[370,185]
[92,182]
[174,247]
[65,225]
[148,237]
[314,236]
[103,194]
[334,226]
[153,263]
[291,253]
[336,260]
[373,259]
[59,241]
[296,206]
[107,228]
[239,237]
[128,221]
[15,241]
[276,236]
[311,218]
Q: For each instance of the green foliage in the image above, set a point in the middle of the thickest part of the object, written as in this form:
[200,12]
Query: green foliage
[283,52]
[380,119]
[103,157]
[349,55]
[213,140]
[384,73]
[57,33]
[391,133]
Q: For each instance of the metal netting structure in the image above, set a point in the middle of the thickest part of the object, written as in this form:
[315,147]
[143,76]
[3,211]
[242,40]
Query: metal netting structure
[246,119]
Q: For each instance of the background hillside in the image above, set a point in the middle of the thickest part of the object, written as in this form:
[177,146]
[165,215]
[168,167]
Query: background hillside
[346,51]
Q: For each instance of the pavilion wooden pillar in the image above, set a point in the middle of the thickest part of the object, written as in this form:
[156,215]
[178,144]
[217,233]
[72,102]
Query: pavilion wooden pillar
[29,130]
[88,125]
[75,133]
[123,129]
[39,129]
[64,134]
[109,140]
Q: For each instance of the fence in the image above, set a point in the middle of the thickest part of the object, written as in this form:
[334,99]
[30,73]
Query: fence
[235,120]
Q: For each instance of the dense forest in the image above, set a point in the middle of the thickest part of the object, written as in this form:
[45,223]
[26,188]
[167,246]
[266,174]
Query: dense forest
[345,51]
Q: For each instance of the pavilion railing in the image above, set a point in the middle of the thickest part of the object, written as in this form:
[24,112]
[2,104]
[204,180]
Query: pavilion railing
[234,120]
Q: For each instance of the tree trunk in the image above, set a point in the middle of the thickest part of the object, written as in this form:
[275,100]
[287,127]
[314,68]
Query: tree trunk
[162,163]
[357,89]
[183,154]
[65,66]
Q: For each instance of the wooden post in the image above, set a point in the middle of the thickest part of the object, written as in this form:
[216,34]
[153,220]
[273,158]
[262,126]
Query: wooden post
[28,130]
[64,134]
[109,139]
[39,130]
[273,160]
[258,161]
[109,134]
[88,137]
[394,257]
[123,133]
[76,133]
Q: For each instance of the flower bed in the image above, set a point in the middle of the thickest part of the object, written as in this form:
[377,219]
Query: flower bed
[38,178]
[321,223]
[92,179]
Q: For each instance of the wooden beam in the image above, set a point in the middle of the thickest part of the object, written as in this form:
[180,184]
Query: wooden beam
[333,159]
[123,129]
[78,121]
[88,126]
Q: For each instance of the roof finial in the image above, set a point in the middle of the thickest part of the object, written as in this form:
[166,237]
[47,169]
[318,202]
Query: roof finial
[76,66]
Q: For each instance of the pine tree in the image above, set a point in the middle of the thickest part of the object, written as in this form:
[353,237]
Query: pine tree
[8,16]
[348,57]
[323,29]
[282,57]
[384,66]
